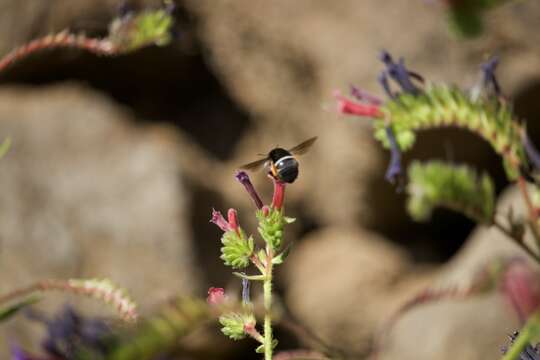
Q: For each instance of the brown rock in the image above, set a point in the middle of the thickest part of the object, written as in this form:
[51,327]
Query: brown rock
[85,194]
[343,284]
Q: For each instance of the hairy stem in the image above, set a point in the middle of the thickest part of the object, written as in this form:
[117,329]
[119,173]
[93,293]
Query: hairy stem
[267,288]
[526,334]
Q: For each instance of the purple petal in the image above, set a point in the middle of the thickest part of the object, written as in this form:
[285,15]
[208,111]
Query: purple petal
[243,178]
[394,168]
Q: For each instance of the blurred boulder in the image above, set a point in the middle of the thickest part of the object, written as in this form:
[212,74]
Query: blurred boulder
[281,60]
[84,193]
[473,328]
[343,283]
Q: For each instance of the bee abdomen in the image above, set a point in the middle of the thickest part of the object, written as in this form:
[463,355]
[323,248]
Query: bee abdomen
[287,169]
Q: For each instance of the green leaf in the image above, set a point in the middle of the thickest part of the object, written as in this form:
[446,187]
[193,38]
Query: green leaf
[250,277]
[279,259]
[234,323]
[10,310]
[456,187]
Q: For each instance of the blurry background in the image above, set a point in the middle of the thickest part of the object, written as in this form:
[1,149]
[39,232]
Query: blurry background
[116,163]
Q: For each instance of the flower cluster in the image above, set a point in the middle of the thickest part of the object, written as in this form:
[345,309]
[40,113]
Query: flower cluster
[239,251]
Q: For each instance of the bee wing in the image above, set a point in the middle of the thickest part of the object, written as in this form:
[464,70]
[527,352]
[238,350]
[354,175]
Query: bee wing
[254,165]
[302,148]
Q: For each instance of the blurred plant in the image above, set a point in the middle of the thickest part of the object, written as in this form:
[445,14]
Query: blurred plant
[239,251]
[70,336]
[484,111]
[103,290]
[513,278]
[465,17]
[130,31]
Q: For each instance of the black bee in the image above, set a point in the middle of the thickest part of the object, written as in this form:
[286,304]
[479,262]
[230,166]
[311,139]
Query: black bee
[281,163]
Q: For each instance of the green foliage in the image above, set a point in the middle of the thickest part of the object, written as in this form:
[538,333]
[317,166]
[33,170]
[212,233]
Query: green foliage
[466,17]
[236,249]
[271,227]
[234,323]
[140,30]
[456,187]
[441,106]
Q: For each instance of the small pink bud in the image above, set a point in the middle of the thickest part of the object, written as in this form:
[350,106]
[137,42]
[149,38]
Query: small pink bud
[346,106]
[266,210]
[233,219]
[216,296]
[521,287]
[219,220]
[279,194]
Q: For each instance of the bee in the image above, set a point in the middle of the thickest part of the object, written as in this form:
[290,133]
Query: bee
[281,163]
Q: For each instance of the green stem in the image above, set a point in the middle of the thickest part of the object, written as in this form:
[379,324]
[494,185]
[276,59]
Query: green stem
[267,288]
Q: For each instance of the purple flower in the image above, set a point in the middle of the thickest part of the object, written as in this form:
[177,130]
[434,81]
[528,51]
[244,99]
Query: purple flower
[243,178]
[363,95]
[245,291]
[399,73]
[532,153]
[488,75]
[394,169]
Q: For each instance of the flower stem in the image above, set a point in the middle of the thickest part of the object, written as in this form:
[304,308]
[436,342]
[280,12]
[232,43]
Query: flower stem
[267,288]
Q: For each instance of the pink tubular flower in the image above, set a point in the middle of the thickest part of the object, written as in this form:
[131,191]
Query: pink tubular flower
[243,178]
[279,194]
[216,296]
[346,106]
[219,220]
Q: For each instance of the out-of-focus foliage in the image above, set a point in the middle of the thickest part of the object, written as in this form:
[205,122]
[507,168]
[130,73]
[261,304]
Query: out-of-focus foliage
[456,187]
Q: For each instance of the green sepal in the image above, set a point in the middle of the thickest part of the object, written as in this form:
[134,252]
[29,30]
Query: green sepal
[456,187]
[279,259]
[236,249]
[7,312]
[271,227]
[234,323]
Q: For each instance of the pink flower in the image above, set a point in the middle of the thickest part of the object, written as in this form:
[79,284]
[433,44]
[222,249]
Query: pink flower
[216,296]
[219,220]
